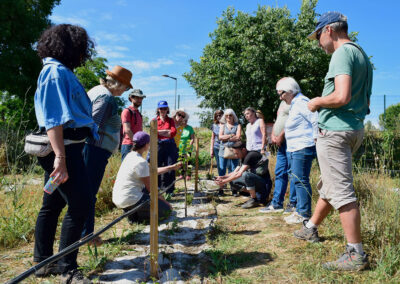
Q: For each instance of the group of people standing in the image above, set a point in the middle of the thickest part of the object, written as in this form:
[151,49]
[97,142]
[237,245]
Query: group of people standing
[92,125]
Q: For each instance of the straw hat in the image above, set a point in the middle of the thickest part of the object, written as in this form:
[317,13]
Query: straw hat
[121,74]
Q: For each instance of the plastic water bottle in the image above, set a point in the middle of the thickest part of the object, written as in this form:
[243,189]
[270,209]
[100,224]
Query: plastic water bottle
[51,185]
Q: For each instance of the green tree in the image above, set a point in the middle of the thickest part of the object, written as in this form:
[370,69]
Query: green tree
[390,120]
[248,54]
[21,22]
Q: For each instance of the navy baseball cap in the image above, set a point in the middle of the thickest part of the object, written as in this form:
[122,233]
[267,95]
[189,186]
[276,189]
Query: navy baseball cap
[141,138]
[326,19]
[162,104]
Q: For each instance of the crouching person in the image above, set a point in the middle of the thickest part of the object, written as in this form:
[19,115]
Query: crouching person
[132,185]
[252,173]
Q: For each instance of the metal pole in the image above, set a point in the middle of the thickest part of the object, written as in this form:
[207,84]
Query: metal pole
[153,200]
[176,87]
[179,100]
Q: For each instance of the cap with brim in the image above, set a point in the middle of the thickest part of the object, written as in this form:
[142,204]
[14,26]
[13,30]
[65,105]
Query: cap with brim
[162,104]
[121,74]
[136,93]
[326,19]
[141,138]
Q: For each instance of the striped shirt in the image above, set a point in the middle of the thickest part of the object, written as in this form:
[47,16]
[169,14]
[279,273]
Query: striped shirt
[301,127]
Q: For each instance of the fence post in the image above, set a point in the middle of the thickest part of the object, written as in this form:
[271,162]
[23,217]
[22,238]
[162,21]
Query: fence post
[196,176]
[153,200]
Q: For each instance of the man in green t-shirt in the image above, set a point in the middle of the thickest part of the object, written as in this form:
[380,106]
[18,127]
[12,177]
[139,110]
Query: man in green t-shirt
[342,108]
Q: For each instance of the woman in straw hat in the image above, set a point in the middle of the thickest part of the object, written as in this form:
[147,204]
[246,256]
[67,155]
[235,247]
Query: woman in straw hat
[105,113]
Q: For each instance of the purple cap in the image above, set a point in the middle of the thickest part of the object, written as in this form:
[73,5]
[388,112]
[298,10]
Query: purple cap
[141,138]
[326,19]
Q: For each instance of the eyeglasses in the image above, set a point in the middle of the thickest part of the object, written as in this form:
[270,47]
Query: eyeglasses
[127,89]
[163,108]
[181,115]
[281,93]
[318,35]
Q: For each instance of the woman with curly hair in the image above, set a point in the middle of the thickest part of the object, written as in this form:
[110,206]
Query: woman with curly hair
[63,111]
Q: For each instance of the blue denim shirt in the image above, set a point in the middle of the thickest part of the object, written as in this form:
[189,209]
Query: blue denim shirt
[61,100]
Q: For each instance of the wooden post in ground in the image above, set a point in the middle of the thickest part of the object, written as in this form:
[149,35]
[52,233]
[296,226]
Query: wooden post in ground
[153,200]
[196,174]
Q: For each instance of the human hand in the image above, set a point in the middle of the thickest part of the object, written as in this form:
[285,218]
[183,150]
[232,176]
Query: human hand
[178,165]
[313,105]
[60,172]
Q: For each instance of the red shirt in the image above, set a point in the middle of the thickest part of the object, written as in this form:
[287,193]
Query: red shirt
[167,124]
[135,119]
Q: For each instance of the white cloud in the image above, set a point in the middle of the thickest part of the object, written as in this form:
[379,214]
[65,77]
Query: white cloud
[122,3]
[183,46]
[143,82]
[113,37]
[106,16]
[139,66]
[69,20]
[109,52]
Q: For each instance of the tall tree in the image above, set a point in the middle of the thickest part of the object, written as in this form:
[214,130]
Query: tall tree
[390,120]
[248,54]
[21,23]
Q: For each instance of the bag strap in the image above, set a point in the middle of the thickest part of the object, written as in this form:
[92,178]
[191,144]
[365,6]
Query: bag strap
[366,61]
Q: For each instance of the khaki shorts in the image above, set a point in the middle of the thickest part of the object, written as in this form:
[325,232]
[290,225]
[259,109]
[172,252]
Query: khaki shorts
[334,152]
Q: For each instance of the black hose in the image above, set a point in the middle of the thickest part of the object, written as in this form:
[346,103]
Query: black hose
[81,242]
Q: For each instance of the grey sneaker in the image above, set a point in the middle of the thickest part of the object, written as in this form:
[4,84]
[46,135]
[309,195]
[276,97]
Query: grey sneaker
[251,203]
[74,277]
[349,261]
[307,234]
[270,209]
[290,208]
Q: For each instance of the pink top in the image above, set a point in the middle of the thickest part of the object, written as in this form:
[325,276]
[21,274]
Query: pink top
[135,119]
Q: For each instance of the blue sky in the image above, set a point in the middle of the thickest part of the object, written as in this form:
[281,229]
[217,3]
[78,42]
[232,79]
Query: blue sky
[152,38]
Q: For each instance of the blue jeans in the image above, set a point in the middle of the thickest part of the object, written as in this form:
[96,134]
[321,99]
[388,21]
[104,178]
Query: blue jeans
[75,193]
[262,186]
[300,167]
[281,179]
[125,149]
[216,152]
[229,164]
[96,160]
[167,155]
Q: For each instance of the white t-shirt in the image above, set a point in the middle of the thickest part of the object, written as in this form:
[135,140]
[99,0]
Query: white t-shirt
[128,186]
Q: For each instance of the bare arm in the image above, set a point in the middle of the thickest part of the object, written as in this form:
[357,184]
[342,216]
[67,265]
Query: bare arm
[221,135]
[340,97]
[232,176]
[173,167]
[264,134]
[56,137]
[212,144]
[126,127]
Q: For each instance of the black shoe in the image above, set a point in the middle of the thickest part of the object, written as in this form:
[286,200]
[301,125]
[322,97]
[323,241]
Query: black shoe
[251,203]
[221,192]
[49,269]
[235,193]
[74,277]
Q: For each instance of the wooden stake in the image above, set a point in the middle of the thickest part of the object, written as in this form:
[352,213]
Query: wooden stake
[196,175]
[153,200]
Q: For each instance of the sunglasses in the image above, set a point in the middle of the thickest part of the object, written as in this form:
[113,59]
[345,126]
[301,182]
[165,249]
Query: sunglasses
[281,93]
[318,35]
[181,115]
[127,89]
[163,108]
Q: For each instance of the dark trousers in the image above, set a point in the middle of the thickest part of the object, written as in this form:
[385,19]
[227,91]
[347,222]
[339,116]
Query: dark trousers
[167,155]
[262,185]
[75,193]
[96,160]
[143,214]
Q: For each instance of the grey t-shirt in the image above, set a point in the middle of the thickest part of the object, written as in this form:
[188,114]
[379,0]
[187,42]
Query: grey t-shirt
[283,113]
